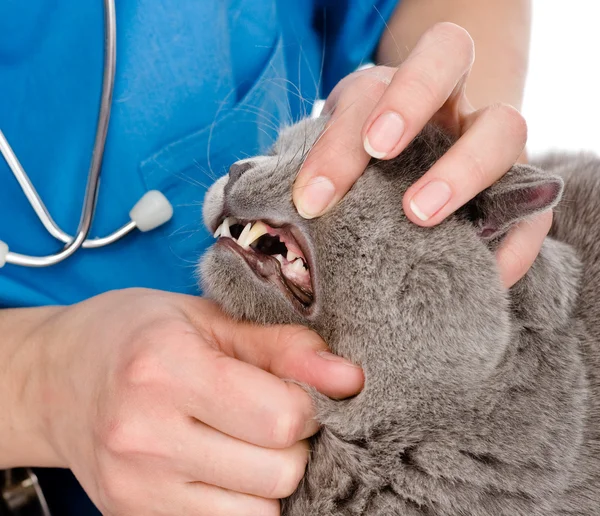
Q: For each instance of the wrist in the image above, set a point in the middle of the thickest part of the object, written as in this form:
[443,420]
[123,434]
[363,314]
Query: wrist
[24,435]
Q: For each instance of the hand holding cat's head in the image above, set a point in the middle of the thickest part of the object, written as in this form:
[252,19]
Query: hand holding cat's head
[364,268]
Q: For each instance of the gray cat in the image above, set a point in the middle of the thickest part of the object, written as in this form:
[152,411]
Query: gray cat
[477,401]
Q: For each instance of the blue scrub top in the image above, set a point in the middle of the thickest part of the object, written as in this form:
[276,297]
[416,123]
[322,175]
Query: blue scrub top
[199,85]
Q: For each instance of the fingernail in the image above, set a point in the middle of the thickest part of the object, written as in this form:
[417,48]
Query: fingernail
[384,134]
[315,197]
[430,199]
[335,358]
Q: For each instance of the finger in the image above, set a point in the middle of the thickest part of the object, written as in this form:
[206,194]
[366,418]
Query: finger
[490,146]
[521,247]
[261,408]
[244,401]
[152,494]
[420,87]
[334,97]
[290,352]
[215,458]
[202,499]
[383,73]
[338,157]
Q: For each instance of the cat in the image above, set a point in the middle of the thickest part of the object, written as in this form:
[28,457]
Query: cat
[478,400]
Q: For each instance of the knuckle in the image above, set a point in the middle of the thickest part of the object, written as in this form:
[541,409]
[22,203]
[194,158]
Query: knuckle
[224,376]
[460,39]
[293,335]
[451,31]
[120,438]
[290,472]
[371,79]
[379,77]
[332,148]
[127,434]
[361,81]
[113,494]
[286,428]
[146,366]
[145,370]
[369,85]
[510,118]
[159,329]
[422,88]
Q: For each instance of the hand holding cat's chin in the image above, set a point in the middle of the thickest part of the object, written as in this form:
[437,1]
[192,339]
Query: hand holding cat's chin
[376,113]
[161,404]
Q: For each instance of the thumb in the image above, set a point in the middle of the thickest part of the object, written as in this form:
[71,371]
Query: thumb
[521,246]
[289,352]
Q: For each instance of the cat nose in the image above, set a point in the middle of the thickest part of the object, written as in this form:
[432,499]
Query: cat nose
[237,169]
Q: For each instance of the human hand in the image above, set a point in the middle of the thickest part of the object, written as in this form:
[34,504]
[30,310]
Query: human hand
[378,111]
[161,405]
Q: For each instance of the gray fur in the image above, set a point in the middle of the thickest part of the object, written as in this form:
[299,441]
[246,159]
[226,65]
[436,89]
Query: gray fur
[477,400]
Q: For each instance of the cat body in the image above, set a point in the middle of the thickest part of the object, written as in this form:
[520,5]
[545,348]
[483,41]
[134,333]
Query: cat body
[477,400]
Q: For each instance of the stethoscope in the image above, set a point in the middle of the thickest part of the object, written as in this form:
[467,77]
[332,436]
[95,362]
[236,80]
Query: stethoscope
[151,211]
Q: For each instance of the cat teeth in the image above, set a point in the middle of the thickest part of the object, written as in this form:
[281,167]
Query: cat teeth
[223,229]
[292,256]
[279,258]
[251,233]
[242,239]
[297,265]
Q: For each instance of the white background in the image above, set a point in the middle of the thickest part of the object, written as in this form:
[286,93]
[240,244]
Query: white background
[562,93]
[562,97]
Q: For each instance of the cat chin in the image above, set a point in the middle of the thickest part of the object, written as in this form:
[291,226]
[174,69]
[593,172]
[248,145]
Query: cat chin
[227,279]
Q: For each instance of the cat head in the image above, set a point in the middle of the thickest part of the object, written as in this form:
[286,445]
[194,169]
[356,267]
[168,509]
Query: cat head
[363,273]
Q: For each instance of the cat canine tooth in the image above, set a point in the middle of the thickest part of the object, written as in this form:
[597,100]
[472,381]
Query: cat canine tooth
[225,228]
[292,256]
[279,258]
[218,231]
[243,238]
[256,230]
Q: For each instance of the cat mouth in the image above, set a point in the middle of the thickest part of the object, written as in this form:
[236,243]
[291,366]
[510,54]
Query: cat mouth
[273,253]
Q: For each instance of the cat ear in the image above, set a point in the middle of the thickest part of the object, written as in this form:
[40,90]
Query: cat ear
[521,193]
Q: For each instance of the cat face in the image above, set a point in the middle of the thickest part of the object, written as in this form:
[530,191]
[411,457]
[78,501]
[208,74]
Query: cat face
[363,272]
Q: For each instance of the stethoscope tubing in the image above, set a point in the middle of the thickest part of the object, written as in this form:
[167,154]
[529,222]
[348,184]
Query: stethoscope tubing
[93,180]
[151,211]
[72,244]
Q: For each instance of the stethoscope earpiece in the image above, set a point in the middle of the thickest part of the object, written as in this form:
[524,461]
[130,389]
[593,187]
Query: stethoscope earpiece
[151,211]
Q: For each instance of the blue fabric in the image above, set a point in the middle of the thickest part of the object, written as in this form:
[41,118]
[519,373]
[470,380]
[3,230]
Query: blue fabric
[199,85]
